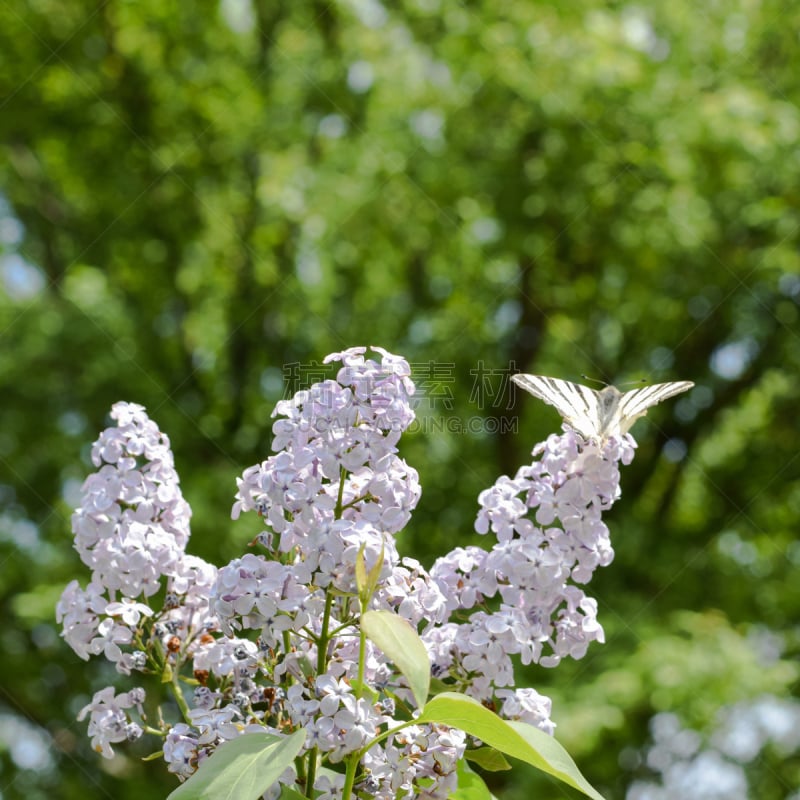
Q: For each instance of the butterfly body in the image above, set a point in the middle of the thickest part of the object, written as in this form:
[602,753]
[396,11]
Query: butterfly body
[600,414]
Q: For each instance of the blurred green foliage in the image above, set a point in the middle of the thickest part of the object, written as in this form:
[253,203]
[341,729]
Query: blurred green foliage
[195,195]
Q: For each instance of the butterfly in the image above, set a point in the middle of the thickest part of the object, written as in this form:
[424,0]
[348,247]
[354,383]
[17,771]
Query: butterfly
[598,414]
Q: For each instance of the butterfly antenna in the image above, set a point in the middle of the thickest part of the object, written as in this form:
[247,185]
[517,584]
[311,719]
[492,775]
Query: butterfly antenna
[593,380]
[629,383]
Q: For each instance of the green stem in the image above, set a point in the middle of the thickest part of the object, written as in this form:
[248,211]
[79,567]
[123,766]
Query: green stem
[358,500]
[385,735]
[350,776]
[179,698]
[340,498]
[300,766]
[311,776]
[322,653]
[324,636]
[355,758]
[322,647]
[348,623]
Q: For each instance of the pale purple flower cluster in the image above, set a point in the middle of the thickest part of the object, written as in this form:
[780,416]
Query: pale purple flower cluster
[336,483]
[272,641]
[337,489]
[131,530]
[109,721]
[337,722]
[187,746]
[550,536]
[256,593]
[411,592]
[133,523]
[419,761]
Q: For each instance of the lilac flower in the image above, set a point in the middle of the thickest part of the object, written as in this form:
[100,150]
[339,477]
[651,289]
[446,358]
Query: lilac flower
[129,611]
[355,723]
[108,722]
[462,571]
[181,750]
[216,724]
[534,567]
[331,693]
[527,705]
[79,611]
[190,587]
[133,523]
[336,456]
[413,594]
[252,592]
[423,761]
[569,487]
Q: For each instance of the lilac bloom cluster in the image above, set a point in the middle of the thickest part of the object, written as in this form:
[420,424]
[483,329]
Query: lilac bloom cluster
[131,530]
[336,491]
[271,642]
[550,536]
[336,482]
[108,720]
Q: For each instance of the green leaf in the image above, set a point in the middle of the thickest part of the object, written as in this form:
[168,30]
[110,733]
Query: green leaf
[516,739]
[367,580]
[470,785]
[243,768]
[402,645]
[365,690]
[288,793]
[438,686]
[375,572]
[488,758]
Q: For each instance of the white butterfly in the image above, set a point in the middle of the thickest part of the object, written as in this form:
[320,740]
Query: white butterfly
[598,415]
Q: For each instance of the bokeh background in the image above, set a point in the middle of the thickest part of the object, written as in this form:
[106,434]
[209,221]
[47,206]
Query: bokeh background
[199,200]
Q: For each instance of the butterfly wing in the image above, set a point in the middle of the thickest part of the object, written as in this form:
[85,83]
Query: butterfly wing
[634,404]
[598,415]
[578,405]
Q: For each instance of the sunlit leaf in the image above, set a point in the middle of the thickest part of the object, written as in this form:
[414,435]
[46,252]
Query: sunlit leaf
[488,758]
[288,793]
[401,644]
[243,768]
[516,739]
[470,785]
